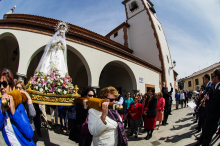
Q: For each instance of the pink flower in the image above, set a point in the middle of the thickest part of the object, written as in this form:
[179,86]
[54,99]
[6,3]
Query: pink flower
[66,77]
[54,84]
[64,83]
[53,77]
[44,83]
[52,89]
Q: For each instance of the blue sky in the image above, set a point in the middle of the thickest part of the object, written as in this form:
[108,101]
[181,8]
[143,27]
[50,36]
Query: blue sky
[192,28]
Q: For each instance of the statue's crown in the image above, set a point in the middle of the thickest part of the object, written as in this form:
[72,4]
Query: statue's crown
[62,26]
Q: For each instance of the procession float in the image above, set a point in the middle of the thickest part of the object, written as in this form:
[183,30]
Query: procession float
[51,83]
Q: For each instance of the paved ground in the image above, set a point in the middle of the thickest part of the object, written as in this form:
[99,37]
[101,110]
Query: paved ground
[179,132]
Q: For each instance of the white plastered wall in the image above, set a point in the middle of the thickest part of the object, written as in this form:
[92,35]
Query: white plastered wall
[30,42]
[142,40]
[165,52]
[119,38]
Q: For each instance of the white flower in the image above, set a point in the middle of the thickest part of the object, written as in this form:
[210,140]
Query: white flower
[37,87]
[46,88]
[40,85]
[38,79]
[49,81]
[61,81]
[41,89]
[59,90]
[64,92]
[58,84]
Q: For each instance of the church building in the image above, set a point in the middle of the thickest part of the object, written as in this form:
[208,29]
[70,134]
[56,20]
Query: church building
[133,57]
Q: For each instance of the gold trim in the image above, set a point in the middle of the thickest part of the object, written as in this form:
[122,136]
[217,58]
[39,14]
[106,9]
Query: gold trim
[51,103]
[51,99]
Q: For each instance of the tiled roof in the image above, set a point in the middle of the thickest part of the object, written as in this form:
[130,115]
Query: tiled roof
[211,67]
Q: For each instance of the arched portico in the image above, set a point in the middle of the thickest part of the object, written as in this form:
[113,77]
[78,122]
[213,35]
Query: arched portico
[78,68]
[119,75]
[9,52]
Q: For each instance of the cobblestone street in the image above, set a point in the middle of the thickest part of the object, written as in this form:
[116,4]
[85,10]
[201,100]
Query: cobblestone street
[179,132]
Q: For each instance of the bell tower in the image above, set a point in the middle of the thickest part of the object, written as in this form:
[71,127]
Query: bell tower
[146,37]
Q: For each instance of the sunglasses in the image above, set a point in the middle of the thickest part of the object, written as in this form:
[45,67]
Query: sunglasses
[111,100]
[135,98]
[4,84]
[19,88]
[90,95]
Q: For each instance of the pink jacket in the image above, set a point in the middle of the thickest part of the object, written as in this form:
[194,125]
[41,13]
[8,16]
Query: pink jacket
[160,103]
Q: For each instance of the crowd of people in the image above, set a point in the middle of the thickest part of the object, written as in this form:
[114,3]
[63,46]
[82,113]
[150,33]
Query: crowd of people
[207,110]
[21,125]
[182,98]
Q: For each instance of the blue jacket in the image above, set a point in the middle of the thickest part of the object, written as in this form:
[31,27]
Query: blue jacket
[177,96]
[20,124]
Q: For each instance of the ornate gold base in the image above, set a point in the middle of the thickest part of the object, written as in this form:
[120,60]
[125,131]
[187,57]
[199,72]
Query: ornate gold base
[51,99]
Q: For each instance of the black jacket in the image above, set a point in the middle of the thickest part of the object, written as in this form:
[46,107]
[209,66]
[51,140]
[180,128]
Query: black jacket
[166,96]
[214,104]
[151,112]
[81,114]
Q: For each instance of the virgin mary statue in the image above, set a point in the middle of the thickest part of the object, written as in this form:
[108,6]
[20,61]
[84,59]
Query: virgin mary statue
[55,53]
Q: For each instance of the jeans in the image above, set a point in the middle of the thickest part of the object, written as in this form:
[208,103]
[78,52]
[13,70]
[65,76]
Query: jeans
[134,126]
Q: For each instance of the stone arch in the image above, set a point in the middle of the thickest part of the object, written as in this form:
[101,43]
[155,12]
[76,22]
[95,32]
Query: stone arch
[9,52]
[123,70]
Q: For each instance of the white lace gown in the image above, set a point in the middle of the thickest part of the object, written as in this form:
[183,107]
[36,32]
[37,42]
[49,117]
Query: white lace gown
[55,58]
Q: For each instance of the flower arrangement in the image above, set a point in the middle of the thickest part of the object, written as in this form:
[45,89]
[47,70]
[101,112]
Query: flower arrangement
[52,83]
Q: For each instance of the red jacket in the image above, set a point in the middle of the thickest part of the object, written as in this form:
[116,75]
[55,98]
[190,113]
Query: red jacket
[137,110]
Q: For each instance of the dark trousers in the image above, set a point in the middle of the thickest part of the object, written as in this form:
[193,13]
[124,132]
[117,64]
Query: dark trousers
[126,123]
[37,123]
[70,123]
[197,116]
[134,126]
[85,142]
[210,127]
[203,115]
[200,120]
[166,114]
[185,101]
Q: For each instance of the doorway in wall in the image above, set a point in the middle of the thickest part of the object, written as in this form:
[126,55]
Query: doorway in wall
[148,87]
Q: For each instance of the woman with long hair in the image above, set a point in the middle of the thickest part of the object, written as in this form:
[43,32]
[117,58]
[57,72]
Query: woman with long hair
[29,108]
[14,122]
[128,101]
[85,138]
[150,113]
[19,85]
[160,108]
